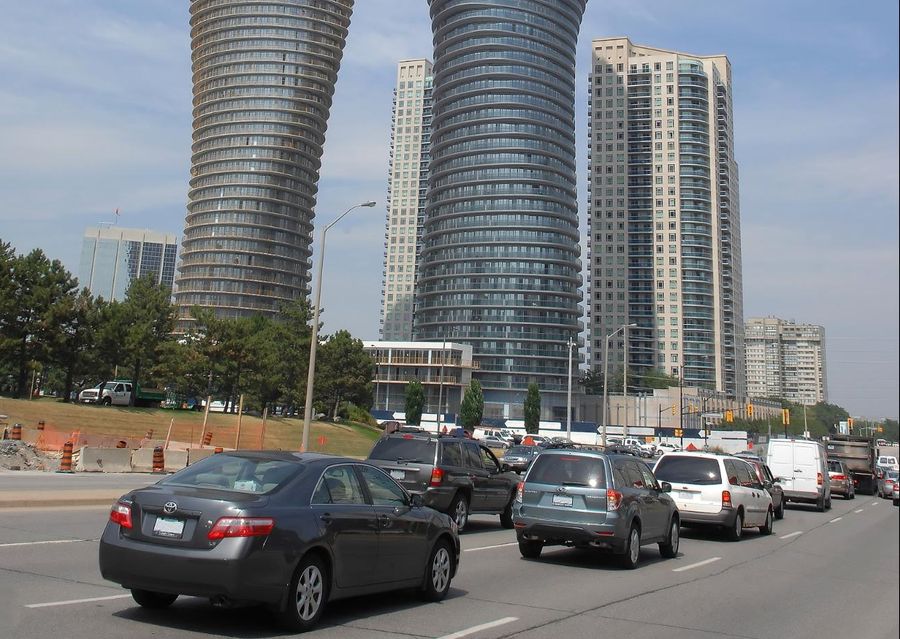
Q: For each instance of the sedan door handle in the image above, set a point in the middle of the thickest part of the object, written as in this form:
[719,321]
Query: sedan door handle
[326,518]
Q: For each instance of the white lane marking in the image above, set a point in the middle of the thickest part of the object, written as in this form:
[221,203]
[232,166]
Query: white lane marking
[874,503]
[513,543]
[835,520]
[479,628]
[51,541]
[75,601]
[697,565]
[793,534]
[858,510]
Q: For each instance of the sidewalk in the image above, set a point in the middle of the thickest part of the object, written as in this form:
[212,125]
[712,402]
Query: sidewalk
[56,498]
[38,489]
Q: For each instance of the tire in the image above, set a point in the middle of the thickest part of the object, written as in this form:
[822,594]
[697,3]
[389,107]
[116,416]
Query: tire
[736,530]
[306,596]
[530,548]
[669,548]
[768,527]
[629,559]
[828,504]
[506,517]
[820,505]
[438,572]
[107,401]
[779,512]
[459,511]
[151,599]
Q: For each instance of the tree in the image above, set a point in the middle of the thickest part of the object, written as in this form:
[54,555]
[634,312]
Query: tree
[345,372]
[72,347]
[532,409]
[471,409]
[656,378]
[415,402]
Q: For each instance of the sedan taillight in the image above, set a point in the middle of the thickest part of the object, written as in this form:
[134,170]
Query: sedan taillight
[241,527]
[121,514]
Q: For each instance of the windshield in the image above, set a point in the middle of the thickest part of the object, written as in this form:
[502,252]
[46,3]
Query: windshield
[567,470]
[688,470]
[109,385]
[891,474]
[525,451]
[402,449]
[239,474]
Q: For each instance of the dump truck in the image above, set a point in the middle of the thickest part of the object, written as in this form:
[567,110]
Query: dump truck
[858,454]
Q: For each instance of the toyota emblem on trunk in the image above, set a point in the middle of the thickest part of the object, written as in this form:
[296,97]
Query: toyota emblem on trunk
[170,507]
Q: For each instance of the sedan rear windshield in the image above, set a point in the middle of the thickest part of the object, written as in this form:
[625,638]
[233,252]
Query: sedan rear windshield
[241,474]
[688,470]
[398,449]
[567,470]
[525,451]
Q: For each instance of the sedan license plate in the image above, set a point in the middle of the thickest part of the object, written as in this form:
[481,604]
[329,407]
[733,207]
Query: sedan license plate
[398,474]
[562,500]
[168,527]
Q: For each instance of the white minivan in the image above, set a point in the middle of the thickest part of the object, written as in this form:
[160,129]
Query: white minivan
[803,468]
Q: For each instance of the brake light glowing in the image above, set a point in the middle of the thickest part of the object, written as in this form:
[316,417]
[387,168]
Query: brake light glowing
[818,479]
[121,514]
[437,477]
[726,499]
[520,491]
[240,527]
[613,499]
[839,477]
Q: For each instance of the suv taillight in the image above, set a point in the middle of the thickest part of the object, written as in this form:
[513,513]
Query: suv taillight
[613,499]
[839,477]
[240,527]
[437,476]
[818,479]
[121,514]
[726,499]
[520,492]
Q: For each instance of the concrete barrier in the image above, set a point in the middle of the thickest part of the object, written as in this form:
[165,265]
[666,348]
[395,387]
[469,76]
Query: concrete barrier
[175,460]
[196,454]
[98,460]
[142,460]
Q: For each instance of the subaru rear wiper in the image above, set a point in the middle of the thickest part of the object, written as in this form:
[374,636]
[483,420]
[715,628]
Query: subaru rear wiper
[575,483]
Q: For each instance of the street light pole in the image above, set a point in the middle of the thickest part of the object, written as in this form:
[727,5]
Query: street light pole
[625,383]
[569,395]
[314,339]
[441,384]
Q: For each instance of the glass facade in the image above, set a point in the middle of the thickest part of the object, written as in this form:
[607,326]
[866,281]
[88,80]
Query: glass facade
[500,266]
[264,75]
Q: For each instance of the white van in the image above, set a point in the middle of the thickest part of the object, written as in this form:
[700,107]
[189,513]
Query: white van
[802,466]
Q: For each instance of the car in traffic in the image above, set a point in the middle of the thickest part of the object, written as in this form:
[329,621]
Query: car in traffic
[895,495]
[717,490]
[293,531]
[771,483]
[591,499]
[623,449]
[840,479]
[492,441]
[453,475]
[665,447]
[888,462]
[886,482]
[802,465]
[518,458]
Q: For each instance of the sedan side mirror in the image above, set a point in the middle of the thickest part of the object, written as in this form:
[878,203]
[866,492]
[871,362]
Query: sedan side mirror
[416,500]
[665,486]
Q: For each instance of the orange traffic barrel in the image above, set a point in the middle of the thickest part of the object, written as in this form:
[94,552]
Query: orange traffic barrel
[16,432]
[65,464]
[218,449]
[207,438]
[41,425]
[159,462]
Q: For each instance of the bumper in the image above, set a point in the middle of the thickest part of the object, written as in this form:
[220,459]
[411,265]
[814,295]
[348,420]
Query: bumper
[724,517]
[611,536]
[439,498]
[241,571]
[804,497]
[840,487]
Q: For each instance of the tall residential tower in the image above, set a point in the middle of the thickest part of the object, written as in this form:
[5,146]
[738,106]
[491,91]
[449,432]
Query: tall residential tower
[500,266]
[786,360]
[264,74]
[407,185]
[665,241]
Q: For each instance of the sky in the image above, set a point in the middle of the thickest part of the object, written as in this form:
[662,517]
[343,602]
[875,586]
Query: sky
[95,115]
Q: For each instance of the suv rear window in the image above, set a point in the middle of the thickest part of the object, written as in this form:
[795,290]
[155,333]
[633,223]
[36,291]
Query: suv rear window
[834,466]
[688,470]
[400,448]
[571,470]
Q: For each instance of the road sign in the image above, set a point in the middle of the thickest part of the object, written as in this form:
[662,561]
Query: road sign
[712,415]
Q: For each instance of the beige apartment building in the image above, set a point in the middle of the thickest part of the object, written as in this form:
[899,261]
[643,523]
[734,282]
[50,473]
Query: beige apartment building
[785,360]
[664,245]
[407,185]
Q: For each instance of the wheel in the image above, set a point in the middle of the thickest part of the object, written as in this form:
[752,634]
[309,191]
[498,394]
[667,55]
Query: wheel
[669,548]
[737,527]
[506,517]
[530,548]
[107,401]
[307,595]
[852,494]
[438,572]
[828,504]
[766,529]
[459,510]
[150,599]
[629,559]
[820,505]
[779,512]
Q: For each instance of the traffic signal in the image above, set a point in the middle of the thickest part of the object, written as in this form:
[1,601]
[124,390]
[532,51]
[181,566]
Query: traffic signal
[729,416]
[749,410]
[786,416]
[678,432]
[850,423]
[674,406]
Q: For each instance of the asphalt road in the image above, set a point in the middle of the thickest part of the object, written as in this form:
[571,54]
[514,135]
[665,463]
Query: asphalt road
[820,575]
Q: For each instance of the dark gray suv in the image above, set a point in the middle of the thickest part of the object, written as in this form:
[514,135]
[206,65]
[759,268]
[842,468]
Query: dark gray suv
[454,475]
[589,499]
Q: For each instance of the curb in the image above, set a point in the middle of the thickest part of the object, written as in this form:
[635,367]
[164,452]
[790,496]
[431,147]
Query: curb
[57,502]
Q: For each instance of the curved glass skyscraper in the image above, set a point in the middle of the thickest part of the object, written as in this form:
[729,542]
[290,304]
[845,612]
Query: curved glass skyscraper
[264,74]
[500,265]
